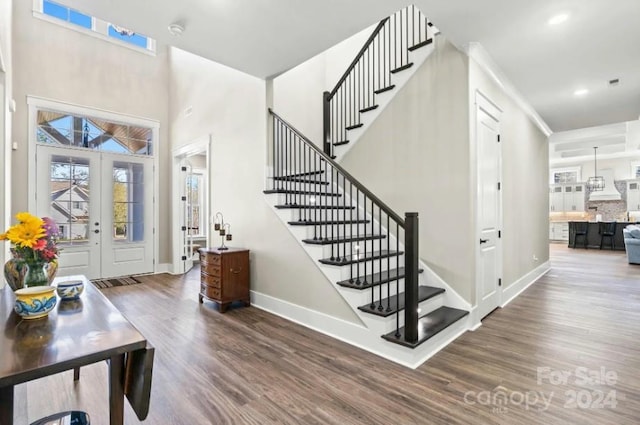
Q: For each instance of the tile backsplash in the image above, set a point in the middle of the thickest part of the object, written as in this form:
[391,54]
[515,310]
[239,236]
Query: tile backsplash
[609,210]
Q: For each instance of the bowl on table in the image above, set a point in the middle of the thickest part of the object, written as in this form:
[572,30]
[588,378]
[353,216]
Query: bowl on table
[70,290]
[35,301]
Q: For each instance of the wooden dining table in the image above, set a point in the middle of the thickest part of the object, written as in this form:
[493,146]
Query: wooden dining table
[74,334]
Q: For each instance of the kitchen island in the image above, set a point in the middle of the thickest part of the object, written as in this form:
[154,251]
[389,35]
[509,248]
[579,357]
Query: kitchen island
[593,235]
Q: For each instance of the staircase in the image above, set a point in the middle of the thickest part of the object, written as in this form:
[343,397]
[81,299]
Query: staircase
[365,249]
[397,47]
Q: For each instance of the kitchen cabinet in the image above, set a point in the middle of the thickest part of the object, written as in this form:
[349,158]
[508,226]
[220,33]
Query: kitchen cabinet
[559,231]
[566,197]
[556,198]
[633,195]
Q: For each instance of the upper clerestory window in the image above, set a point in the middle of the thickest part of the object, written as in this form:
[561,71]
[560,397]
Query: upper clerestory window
[66,16]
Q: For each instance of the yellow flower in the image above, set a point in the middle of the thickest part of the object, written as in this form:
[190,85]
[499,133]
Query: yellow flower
[26,234]
[3,236]
[25,217]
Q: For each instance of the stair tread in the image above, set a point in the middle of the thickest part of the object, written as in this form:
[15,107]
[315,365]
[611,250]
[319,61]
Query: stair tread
[341,239]
[352,259]
[429,325]
[326,222]
[300,180]
[421,44]
[343,142]
[300,192]
[402,68]
[354,126]
[384,89]
[316,207]
[368,108]
[390,304]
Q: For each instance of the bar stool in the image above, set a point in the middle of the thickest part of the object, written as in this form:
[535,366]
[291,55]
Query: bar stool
[581,229]
[608,230]
[74,417]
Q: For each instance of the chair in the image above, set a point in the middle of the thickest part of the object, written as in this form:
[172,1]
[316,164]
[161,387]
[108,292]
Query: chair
[608,230]
[581,229]
[65,418]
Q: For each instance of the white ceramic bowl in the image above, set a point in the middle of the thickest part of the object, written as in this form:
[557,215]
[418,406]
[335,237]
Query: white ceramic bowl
[70,290]
[35,302]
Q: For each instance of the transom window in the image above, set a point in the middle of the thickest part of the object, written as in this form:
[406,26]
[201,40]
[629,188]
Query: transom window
[63,129]
[74,19]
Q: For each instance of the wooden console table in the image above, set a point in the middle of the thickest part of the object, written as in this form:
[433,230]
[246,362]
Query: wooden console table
[224,276]
[68,339]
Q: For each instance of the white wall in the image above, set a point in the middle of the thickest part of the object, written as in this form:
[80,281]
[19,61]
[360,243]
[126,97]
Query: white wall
[5,122]
[525,174]
[232,107]
[415,157]
[60,64]
[297,94]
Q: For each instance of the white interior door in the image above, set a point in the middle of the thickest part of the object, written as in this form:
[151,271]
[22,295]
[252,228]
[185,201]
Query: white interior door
[103,205]
[489,210]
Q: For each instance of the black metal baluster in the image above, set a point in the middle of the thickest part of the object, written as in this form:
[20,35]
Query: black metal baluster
[357,232]
[344,221]
[333,257]
[275,153]
[350,229]
[316,190]
[380,307]
[287,183]
[406,44]
[389,270]
[397,334]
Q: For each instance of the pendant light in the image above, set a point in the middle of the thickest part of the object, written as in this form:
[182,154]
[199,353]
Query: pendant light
[595,183]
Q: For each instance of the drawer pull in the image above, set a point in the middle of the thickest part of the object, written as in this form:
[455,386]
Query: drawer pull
[235,271]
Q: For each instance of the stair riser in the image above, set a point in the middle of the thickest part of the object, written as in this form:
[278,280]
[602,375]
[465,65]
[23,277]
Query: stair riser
[366,247]
[344,272]
[296,214]
[388,324]
[308,199]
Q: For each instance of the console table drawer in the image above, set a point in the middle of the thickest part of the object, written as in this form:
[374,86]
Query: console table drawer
[210,292]
[210,280]
[211,269]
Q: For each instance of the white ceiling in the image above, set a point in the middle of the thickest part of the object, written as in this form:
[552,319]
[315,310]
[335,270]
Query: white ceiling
[546,64]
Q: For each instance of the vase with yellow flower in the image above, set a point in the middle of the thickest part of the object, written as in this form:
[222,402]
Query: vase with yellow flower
[34,251]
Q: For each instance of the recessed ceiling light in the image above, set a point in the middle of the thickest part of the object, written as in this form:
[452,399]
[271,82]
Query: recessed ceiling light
[581,92]
[176,29]
[558,19]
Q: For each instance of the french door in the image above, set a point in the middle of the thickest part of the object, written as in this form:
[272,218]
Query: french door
[103,206]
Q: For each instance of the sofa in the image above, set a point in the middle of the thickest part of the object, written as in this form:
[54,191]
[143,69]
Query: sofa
[632,243]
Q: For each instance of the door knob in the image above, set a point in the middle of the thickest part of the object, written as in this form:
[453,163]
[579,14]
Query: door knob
[484,241]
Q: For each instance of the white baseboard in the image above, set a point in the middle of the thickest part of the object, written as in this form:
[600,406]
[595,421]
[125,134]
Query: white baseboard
[510,293]
[164,268]
[355,334]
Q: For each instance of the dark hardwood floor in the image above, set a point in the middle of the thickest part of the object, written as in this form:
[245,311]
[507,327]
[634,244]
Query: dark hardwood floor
[582,320]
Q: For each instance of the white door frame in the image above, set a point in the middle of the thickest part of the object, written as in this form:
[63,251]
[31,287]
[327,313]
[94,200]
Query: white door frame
[197,146]
[483,103]
[5,160]
[34,103]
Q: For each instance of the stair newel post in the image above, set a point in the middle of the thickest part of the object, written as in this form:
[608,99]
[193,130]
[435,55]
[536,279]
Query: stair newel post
[326,122]
[411,277]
